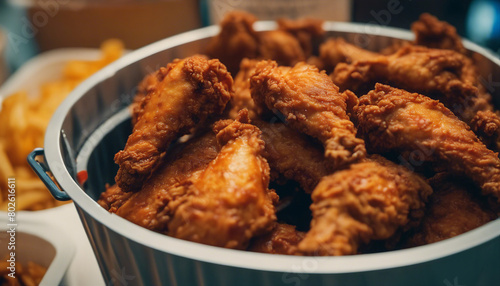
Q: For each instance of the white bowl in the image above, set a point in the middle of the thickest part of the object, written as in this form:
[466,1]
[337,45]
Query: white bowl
[38,241]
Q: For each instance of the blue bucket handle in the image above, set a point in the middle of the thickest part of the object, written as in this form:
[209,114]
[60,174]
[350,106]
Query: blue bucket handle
[41,170]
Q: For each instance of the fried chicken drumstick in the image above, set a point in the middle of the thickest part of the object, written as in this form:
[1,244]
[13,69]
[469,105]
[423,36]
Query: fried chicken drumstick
[189,91]
[371,200]
[312,104]
[230,201]
[392,119]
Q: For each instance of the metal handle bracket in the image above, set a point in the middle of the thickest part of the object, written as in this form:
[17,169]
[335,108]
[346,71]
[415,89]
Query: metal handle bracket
[41,170]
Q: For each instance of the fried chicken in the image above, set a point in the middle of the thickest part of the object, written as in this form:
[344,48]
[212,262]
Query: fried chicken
[293,155]
[230,202]
[242,98]
[148,207]
[237,40]
[188,91]
[113,198]
[454,208]
[291,43]
[306,31]
[282,47]
[436,73]
[423,130]
[432,33]
[283,239]
[486,125]
[312,104]
[337,50]
[145,87]
[371,200]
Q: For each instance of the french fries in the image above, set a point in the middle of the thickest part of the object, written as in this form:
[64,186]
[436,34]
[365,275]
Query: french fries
[23,120]
[28,274]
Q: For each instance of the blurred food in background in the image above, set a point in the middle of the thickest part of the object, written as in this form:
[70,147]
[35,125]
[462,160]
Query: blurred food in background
[24,118]
[28,274]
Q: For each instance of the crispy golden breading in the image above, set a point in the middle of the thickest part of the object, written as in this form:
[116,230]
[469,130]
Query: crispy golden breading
[293,155]
[291,43]
[189,91]
[371,200]
[148,207]
[486,125]
[145,87]
[436,73]
[306,30]
[242,98]
[454,208]
[230,202]
[282,47]
[113,198]
[432,33]
[337,50]
[392,119]
[237,40]
[312,104]
[283,239]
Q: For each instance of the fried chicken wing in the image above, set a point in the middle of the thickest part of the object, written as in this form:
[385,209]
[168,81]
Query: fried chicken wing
[283,239]
[371,200]
[432,33]
[282,47]
[454,208]
[439,74]
[189,91]
[237,40]
[293,155]
[306,30]
[337,50]
[392,119]
[291,43]
[230,202]
[148,207]
[312,104]
[242,98]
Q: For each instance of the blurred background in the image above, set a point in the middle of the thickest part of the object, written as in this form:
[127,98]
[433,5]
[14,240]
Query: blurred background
[34,26]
